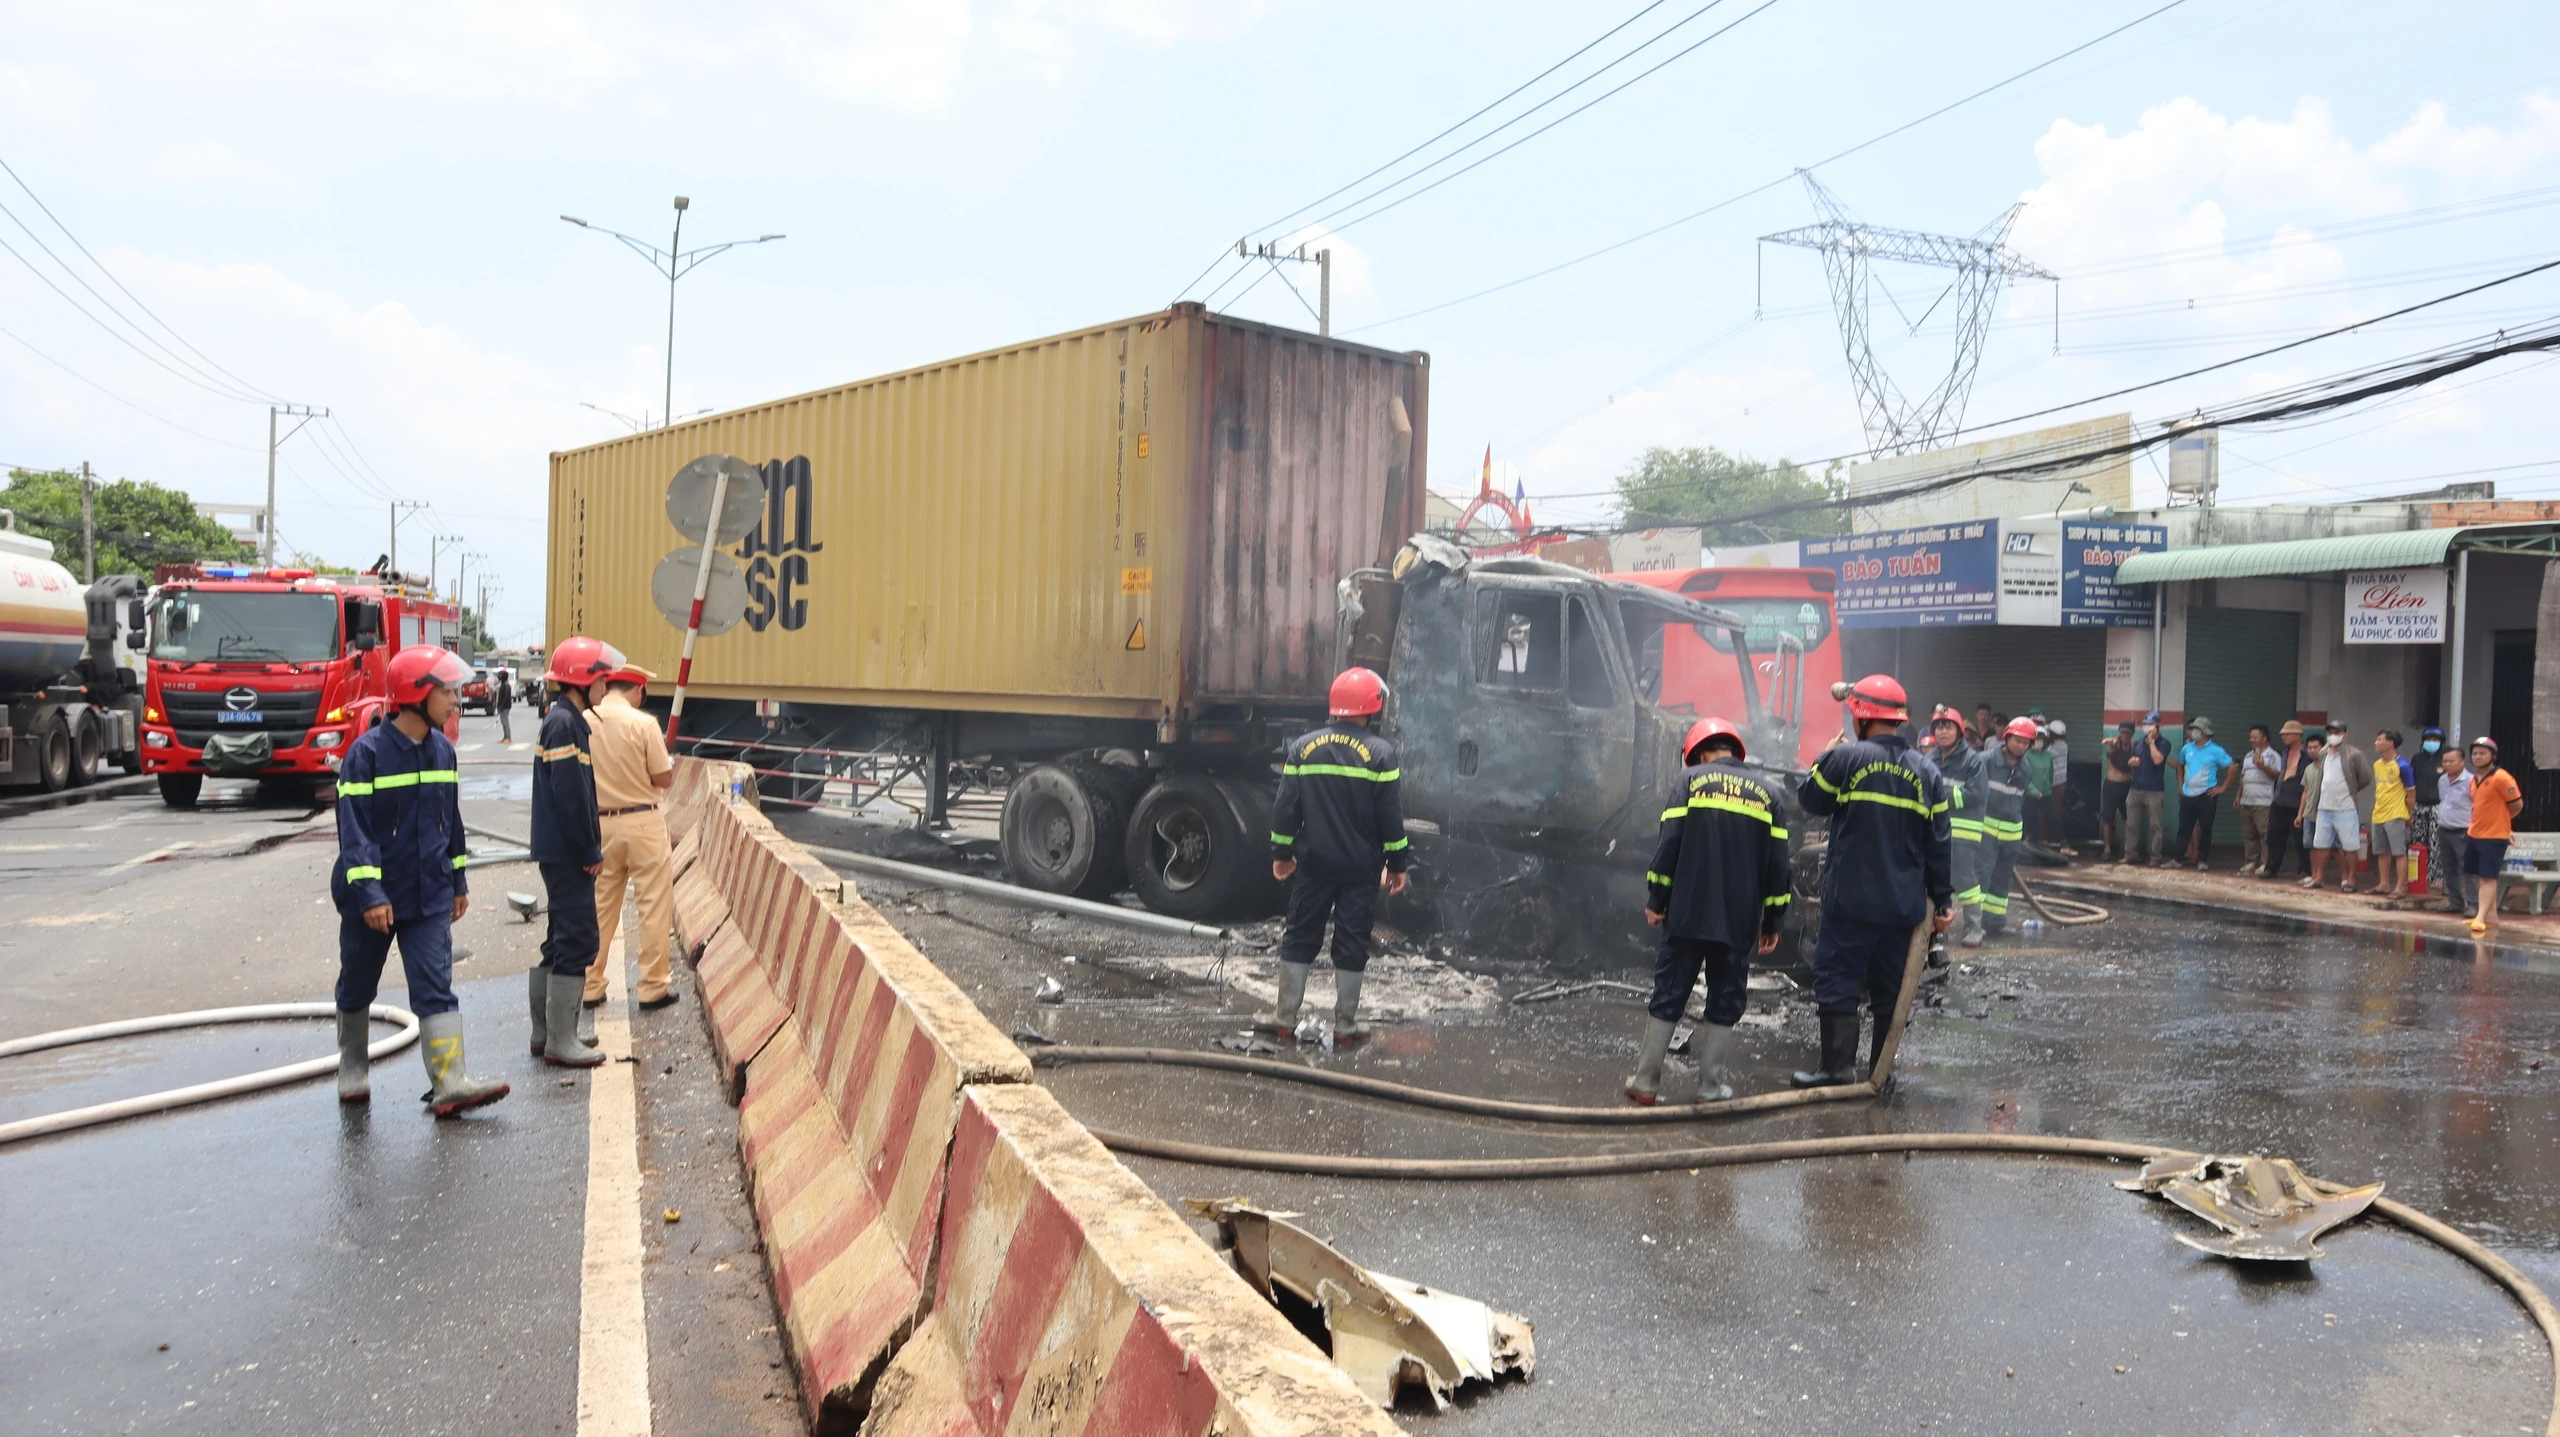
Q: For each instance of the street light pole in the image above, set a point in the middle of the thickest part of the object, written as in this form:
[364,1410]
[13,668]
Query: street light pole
[675,262]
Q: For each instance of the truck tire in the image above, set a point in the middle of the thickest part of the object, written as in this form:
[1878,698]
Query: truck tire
[54,753]
[180,790]
[1062,830]
[88,751]
[1189,855]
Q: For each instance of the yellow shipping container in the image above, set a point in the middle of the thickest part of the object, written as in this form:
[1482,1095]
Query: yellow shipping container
[1144,520]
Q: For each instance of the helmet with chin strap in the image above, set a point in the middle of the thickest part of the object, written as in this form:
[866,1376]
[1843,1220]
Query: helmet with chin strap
[581,662]
[1878,696]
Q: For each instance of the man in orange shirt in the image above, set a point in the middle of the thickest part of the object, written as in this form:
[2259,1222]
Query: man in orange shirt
[632,769]
[2495,802]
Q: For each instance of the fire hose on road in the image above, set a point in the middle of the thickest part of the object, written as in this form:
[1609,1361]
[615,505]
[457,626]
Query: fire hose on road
[405,1034]
[2531,1297]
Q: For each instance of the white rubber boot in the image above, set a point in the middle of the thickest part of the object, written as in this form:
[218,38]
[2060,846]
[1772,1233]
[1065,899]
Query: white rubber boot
[538,994]
[561,1046]
[1282,1021]
[454,1089]
[1346,1007]
[1644,1088]
[355,1082]
[1715,1058]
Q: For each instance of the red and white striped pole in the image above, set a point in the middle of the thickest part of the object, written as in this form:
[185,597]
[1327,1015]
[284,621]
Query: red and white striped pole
[701,587]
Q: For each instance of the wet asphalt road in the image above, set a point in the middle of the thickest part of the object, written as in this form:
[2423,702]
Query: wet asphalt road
[313,1269]
[1884,1294]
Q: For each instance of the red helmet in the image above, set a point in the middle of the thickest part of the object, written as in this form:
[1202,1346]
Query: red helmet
[1878,696]
[1945,714]
[1357,693]
[2021,727]
[420,667]
[1707,728]
[582,662]
[2484,741]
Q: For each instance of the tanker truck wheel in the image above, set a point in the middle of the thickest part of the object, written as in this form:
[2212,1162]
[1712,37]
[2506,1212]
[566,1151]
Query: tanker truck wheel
[88,750]
[1062,829]
[54,751]
[180,790]
[1190,855]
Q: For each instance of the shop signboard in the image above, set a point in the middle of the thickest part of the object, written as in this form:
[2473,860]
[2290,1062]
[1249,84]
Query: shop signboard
[2395,606]
[2091,552]
[1939,574]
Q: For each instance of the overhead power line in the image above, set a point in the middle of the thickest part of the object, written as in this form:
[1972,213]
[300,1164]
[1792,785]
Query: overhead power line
[120,399]
[1767,185]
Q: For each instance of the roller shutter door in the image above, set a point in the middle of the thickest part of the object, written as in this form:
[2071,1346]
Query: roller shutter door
[2241,665]
[2062,671]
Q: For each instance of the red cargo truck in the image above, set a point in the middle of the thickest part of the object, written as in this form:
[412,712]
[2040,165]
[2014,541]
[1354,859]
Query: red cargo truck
[1698,672]
[268,674]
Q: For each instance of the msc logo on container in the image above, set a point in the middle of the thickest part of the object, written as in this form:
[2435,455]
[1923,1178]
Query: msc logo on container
[776,552]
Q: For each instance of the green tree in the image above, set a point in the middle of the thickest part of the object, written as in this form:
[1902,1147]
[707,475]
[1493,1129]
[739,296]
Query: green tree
[139,525]
[1721,492]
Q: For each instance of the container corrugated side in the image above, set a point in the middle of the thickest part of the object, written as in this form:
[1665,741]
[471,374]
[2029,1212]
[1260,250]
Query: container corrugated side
[984,533]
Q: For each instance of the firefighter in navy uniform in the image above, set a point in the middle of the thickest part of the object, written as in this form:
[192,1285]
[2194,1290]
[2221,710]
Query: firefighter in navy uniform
[1718,890]
[399,875]
[2004,786]
[1884,873]
[1962,766]
[1338,820]
[568,845]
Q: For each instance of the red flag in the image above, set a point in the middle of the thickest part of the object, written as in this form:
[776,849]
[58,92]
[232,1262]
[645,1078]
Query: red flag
[1485,486]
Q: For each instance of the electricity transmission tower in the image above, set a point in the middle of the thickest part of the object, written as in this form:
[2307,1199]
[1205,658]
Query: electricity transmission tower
[1982,262]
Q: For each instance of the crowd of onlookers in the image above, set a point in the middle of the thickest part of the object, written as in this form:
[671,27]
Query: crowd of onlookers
[2318,797]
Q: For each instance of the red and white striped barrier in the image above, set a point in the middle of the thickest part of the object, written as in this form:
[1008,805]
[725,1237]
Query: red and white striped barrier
[1069,1301]
[739,1005]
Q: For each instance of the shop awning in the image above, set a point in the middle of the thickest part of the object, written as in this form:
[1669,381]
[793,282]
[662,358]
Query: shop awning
[2396,549]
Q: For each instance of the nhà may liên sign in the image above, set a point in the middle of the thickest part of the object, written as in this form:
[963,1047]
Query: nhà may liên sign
[2396,606]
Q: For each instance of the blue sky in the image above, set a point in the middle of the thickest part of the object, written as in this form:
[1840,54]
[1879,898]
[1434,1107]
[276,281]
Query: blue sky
[356,206]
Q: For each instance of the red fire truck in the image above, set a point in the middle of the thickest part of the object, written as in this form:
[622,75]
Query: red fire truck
[1698,673]
[268,674]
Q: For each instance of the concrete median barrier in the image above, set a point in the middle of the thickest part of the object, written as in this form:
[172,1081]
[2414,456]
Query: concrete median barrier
[884,1121]
[739,1005]
[1069,1300]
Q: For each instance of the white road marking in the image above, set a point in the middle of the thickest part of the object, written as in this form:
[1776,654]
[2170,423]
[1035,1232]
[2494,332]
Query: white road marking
[473,747]
[153,856]
[613,1325]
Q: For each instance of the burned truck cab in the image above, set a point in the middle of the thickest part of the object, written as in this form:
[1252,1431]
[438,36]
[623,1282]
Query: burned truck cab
[1526,705]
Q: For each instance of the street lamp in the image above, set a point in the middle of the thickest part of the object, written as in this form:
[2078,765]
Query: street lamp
[675,262]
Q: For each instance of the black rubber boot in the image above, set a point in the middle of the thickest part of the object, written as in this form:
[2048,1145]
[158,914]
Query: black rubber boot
[1875,1046]
[1839,1054]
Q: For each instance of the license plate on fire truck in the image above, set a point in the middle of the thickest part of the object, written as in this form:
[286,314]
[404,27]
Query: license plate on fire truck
[240,716]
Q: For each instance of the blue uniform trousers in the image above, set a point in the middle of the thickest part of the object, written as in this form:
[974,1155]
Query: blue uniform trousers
[569,943]
[426,955]
[1350,901]
[1675,972]
[1849,956]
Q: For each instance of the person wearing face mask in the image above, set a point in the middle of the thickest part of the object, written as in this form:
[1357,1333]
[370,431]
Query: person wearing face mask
[2143,804]
[2425,795]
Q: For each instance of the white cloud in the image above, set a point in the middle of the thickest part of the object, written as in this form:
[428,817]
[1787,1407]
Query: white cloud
[208,162]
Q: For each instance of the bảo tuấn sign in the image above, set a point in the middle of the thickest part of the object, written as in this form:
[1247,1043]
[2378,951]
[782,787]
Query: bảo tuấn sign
[2396,606]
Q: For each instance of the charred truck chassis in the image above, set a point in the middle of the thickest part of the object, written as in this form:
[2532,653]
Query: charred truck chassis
[1085,806]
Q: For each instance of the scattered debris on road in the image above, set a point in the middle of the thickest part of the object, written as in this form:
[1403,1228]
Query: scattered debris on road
[2270,1209]
[1387,1333]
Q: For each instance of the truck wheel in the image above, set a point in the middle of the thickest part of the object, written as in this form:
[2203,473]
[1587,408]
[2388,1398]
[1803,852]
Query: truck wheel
[1062,829]
[53,756]
[180,790]
[88,750]
[1189,855]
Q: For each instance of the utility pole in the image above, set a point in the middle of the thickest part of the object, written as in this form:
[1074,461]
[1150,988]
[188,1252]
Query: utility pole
[88,526]
[267,524]
[412,505]
[459,570]
[435,551]
[675,262]
[1322,259]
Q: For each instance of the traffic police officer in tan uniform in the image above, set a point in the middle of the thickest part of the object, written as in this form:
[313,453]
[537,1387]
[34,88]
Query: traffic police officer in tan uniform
[633,772]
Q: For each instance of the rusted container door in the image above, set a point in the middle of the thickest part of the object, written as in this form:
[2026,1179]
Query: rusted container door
[1296,436]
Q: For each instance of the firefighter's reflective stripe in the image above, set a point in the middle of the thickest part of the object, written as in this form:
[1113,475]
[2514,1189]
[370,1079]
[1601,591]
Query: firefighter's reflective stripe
[564,754]
[1994,903]
[363,871]
[1967,829]
[2005,831]
[1282,838]
[1340,770]
[1395,845]
[1725,805]
[462,860]
[1780,901]
[408,780]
